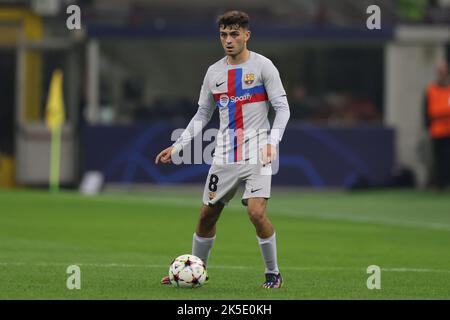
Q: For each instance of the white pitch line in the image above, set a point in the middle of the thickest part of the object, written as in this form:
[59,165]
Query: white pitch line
[413,270]
[363,219]
[157,266]
[294,213]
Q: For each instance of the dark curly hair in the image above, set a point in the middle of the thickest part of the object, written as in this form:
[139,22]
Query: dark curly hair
[234,19]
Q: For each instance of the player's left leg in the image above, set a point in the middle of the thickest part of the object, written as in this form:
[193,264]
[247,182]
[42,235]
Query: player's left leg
[205,232]
[266,236]
[256,208]
[257,191]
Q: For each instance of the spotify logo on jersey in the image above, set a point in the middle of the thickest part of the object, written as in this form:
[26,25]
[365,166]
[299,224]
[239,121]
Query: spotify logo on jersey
[223,100]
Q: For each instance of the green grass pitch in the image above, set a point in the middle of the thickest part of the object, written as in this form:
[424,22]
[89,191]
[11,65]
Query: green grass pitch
[123,244]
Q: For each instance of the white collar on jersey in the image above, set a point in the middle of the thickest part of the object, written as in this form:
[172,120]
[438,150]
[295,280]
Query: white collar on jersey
[234,65]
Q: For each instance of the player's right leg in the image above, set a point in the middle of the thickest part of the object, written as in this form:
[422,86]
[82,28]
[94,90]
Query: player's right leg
[221,185]
[205,233]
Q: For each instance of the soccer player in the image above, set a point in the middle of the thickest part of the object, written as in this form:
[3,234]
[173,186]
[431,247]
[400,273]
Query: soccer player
[242,86]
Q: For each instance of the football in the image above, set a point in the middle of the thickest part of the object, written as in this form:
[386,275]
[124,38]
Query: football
[187,271]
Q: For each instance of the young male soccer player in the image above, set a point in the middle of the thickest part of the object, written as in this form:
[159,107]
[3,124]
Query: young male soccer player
[242,85]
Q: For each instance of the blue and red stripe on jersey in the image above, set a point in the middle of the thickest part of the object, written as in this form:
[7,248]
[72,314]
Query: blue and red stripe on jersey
[235,114]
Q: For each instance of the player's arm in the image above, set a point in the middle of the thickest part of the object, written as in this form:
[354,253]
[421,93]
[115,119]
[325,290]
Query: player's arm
[279,102]
[198,122]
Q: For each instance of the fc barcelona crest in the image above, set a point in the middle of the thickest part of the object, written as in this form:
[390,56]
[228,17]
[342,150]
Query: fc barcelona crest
[249,78]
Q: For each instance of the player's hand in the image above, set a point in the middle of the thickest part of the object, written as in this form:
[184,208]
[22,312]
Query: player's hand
[165,156]
[268,154]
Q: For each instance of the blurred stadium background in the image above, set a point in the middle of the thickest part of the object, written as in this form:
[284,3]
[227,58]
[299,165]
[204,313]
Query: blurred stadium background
[133,72]
[132,75]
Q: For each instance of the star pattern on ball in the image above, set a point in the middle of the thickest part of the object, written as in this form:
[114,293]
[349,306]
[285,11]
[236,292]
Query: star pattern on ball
[194,281]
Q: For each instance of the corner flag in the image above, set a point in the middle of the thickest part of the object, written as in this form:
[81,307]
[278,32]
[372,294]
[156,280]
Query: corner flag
[55,104]
[54,120]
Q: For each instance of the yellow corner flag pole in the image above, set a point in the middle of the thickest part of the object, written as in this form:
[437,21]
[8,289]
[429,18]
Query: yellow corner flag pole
[54,120]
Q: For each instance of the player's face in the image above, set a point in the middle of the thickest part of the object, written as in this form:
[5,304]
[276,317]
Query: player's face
[234,39]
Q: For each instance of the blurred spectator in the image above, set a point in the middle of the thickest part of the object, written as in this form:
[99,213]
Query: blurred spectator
[412,10]
[437,121]
[363,110]
[300,104]
[332,108]
[321,16]
[351,109]
[438,12]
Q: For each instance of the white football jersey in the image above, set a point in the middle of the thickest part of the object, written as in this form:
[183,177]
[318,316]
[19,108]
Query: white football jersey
[242,94]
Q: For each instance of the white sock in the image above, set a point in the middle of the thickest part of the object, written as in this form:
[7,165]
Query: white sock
[201,247]
[269,252]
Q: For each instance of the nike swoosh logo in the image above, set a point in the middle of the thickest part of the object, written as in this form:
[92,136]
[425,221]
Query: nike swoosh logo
[252,191]
[218,85]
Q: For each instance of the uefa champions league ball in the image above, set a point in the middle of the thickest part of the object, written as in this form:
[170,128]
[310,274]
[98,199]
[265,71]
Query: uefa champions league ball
[187,271]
